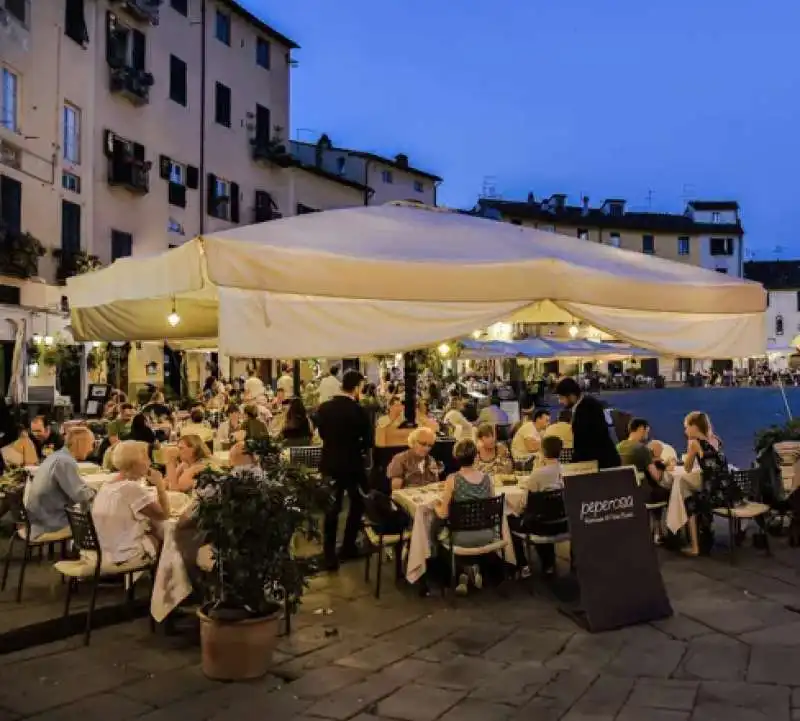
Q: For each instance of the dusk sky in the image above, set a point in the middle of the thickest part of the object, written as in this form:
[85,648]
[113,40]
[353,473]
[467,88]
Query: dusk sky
[666,99]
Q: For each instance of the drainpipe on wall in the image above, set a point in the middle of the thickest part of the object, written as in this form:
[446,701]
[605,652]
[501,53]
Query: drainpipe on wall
[201,185]
[435,192]
[366,181]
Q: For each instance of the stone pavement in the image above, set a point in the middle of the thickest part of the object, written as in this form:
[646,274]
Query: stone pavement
[731,652]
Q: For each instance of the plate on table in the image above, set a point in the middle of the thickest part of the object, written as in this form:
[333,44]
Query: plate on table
[505,479]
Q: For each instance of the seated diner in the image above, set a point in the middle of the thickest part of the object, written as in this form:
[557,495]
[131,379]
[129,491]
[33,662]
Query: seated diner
[414,467]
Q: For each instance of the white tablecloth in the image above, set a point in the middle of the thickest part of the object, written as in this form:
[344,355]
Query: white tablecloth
[418,503]
[683,485]
[171,584]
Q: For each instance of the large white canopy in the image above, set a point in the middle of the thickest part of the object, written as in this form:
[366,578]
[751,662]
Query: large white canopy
[381,279]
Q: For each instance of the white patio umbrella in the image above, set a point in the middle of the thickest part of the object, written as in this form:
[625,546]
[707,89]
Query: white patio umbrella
[381,279]
[16,389]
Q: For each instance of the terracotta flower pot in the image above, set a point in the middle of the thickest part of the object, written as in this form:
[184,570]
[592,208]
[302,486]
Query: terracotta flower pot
[237,650]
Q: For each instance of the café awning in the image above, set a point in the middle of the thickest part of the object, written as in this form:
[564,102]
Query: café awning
[381,279]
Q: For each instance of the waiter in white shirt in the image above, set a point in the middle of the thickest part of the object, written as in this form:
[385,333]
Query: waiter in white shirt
[330,385]
[286,383]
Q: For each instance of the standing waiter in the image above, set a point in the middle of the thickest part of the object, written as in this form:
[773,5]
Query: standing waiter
[346,439]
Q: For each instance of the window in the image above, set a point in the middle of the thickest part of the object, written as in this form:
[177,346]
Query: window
[721,246]
[223,28]
[768,298]
[419,187]
[223,199]
[648,244]
[72,134]
[683,245]
[180,6]
[179,177]
[387,176]
[262,126]
[75,22]
[18,9]
[613,239]
[262,53]
[798,300]
[177,80]
[121,245]
[9,101]
[70,227]
[778,325]
[724,271]
[583,234]
[222,109]
[127,165]
[71,182]
[341,163]
[125,47]
[11,203]
[265,207]
[716,217]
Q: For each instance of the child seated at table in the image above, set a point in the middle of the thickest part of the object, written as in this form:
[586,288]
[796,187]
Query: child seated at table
[547,475]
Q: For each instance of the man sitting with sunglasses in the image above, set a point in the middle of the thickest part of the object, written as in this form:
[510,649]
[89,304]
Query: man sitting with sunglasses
[415,467]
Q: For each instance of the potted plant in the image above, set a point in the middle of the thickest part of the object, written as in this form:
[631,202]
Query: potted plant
[251,519]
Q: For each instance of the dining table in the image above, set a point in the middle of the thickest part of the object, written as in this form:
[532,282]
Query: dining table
[418,502]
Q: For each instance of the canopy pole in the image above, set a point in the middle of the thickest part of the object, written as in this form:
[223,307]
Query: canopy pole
[785,399]
[410,380]
[296,378]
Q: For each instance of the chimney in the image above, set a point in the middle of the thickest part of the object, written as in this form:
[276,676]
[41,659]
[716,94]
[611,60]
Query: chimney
[531,199]
[585,205]
[402,160]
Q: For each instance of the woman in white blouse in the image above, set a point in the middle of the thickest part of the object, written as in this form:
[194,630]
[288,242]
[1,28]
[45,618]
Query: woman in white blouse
[125,507]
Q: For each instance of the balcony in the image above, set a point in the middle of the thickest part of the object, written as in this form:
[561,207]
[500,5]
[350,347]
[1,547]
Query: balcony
[132,84]
[130,173]
[71,263]
[144,10]
[271,151]
[19,253]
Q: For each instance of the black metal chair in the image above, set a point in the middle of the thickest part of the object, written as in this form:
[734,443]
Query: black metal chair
[740,490]
[479,515]
[23,532]
[307,456]
[84,536]
[544,521]
[502,432]
[374,525]
[566,455]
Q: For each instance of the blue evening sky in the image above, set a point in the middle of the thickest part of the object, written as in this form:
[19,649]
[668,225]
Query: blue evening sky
[666,99]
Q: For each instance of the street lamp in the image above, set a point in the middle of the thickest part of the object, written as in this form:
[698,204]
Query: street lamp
[173,318]
[573,331]
[444,349]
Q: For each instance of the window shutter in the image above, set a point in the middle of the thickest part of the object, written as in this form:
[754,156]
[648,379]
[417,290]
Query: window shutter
[262,126]
[121,244]
[108,143]
[70,227]
[177,195]
[11,203]
[234,203]
[75,22]
[192,177]
[211,195]
[111,25]
[139,49]
[164,165]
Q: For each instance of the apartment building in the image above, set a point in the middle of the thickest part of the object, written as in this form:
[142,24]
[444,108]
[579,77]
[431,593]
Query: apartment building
[708,234]
[781,278]
[384,179]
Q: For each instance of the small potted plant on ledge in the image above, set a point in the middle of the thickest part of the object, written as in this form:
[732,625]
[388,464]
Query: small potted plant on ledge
[251,518]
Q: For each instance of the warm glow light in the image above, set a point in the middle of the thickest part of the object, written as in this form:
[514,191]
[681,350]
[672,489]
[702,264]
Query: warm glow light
[36,338]
[573,331]
[97,344]
[48,340]
[476,334]
[444,349]
[173,319]
[33,369]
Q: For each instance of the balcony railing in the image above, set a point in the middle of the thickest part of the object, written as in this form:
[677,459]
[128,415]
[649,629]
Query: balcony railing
[131,84]
[271,151]
[131,174]
[19,253]
[146,10]
[76,262]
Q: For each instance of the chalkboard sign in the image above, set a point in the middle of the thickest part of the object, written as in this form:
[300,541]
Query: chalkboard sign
[615,560]
[96,399]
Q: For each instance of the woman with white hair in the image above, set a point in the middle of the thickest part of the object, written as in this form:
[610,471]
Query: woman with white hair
[415,467]
[124,507]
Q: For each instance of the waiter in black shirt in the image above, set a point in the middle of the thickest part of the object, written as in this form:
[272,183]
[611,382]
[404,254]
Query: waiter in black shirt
[346,438]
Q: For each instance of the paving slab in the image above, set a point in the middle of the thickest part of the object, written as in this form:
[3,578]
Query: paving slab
[771,700]
[715,658]
[419,703]
[775,664]
[641,713]
[529,645]
[664,694]
[657,660]
[100,707]
[377,655]
[516,685]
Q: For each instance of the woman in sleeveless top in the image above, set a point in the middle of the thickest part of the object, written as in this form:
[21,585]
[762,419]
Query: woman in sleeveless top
[705,449]
[493,457]
[468,484]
